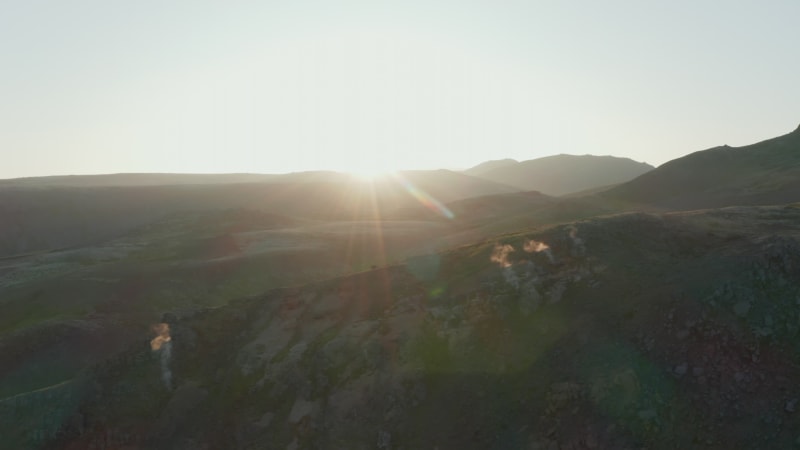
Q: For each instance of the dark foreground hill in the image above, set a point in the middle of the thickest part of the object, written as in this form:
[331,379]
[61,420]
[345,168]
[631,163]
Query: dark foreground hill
[764,173]
[629,331]
[561,174]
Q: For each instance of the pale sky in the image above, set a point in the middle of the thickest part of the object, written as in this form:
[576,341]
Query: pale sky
[277,86]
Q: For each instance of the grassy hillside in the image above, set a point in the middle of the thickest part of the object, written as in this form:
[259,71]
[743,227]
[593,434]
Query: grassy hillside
[629,331]
[46,218]
[767,172]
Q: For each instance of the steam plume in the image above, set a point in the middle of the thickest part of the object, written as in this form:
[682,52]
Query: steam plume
[578,249]
[500,255]
[163,343]
[532,246]
[162,336]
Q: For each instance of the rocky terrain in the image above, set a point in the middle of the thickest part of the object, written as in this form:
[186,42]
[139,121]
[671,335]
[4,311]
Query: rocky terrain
[628,331]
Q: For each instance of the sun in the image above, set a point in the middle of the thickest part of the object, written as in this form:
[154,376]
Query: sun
[370,172]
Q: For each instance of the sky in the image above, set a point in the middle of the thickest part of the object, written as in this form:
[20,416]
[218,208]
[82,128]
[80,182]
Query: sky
[199,86]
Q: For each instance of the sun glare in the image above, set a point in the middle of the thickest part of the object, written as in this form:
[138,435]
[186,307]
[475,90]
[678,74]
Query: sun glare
[370,172]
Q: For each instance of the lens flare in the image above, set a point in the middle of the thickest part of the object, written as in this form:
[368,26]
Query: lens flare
[426,199]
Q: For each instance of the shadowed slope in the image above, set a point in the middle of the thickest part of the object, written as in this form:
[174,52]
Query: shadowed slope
[767,172]
[630,331]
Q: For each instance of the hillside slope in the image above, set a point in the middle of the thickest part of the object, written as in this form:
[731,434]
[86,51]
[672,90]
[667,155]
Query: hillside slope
[564,174]
[45,218]
[629,331]
[487,166]
[767,172]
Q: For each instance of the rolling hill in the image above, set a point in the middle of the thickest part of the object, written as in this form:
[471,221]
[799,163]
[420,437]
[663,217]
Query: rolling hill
[629,331]
[561,174]
[767,172]
[133,251]
[488,166]
[136,179]
[46,217]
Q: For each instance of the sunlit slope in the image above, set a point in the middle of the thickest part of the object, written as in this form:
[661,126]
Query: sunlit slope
[562,174]
[767,172]
[488,166]
[628,331]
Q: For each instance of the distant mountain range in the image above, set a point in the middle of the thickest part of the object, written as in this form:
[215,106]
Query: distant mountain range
[55,212]
[488,166]
[561,174]
[137,179]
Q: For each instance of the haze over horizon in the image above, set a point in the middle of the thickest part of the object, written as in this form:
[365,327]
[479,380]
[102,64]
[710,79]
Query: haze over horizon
[91,87]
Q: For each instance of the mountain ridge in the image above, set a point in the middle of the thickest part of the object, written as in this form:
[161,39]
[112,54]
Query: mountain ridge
[765,172]
[564,174]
